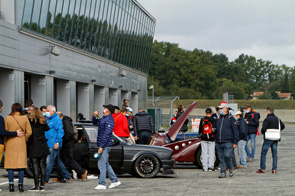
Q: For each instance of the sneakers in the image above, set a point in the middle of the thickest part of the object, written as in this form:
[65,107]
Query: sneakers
[92,177]
[205,170]
[74,174]
[34,189]
[249,159]
[100,187]
[114,184]
[274,171]
[241,167]
[222,175]
[211,169]
[231,173]
[42,188]
[260,171]
[65,180]
[84,175]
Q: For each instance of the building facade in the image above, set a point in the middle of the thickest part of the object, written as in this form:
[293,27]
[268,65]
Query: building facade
[75,54]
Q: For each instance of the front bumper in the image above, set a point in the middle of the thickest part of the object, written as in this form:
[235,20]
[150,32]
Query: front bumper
[167,166]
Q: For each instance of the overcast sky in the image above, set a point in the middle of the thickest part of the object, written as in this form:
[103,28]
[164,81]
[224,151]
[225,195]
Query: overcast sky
[261,28]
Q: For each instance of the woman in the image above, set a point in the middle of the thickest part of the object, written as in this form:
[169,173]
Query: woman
[15,147]
[37,148]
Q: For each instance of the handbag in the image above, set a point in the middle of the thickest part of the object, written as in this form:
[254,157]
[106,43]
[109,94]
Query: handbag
[273,134]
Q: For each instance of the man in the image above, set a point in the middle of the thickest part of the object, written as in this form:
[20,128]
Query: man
[270,122]
[143,127]
[207,135]
[252,120]
[121,125]
[28,107]
[68,145]
[125,103]
[54,142]
[43,109]
[242,127]
[95,118]
[4,132]
[104,143]
[117,109]
[226,139]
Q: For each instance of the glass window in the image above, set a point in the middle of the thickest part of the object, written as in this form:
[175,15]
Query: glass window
[87,16]
[120,34]
[75,21]
[108,30]
[27,13]
[91,23]
[81,23]
[50,18]
[36,16]
[57,18]
[97,47]
[104,27]
[93,45]
[69,23]
[64,20]
[114,31]
[43,17]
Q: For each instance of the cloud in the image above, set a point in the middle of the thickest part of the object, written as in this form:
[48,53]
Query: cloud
[264,28]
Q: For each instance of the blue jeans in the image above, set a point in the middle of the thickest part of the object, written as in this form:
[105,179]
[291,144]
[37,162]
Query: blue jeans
[251,137]
[224,151]
[105,168]
[265,146]
[55,158]
[21,173]
[242,153]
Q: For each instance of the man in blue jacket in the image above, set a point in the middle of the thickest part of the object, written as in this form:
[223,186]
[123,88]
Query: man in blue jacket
[104,143]
[54,142]
[226,139]
[252,120]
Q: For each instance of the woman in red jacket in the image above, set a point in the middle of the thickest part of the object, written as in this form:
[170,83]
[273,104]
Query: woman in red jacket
[121,125]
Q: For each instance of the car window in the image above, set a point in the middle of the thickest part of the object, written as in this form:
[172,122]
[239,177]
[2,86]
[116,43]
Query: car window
[92,134]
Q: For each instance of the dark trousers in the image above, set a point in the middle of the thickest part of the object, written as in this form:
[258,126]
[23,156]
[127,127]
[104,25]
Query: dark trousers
[144,137]
[67,156]
[39,162]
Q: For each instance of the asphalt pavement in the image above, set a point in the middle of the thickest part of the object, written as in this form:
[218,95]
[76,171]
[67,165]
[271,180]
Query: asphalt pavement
[189,180]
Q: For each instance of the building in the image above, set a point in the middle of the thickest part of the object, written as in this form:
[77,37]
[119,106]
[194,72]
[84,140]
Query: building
[75,54]
[284,96]
[256,95]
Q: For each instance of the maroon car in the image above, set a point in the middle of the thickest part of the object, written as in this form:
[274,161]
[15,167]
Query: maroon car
[188,150]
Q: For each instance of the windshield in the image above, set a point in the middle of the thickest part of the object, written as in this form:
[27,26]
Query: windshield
[92,134]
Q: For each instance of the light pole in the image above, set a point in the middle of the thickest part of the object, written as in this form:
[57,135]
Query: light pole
[153,96]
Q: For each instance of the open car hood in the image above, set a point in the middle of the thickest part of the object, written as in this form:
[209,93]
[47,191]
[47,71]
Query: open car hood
[175,128]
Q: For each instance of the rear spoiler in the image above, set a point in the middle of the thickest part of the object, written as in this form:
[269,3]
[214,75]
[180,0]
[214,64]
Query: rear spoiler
[175,128]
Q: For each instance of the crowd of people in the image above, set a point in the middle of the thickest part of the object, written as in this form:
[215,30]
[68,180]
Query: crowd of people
[46,137]
[223,132]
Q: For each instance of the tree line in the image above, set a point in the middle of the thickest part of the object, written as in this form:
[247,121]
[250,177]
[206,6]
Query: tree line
[200,74]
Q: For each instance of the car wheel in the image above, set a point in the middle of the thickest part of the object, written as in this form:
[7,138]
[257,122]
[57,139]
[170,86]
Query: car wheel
[29,169]
[147,166]
[198,159]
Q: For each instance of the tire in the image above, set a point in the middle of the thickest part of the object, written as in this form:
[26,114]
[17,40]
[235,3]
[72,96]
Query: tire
[29,170]
[147,166]
[198,159]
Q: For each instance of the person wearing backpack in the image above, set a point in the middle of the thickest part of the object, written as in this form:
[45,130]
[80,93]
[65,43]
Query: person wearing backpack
[252,120]
[270,122]
[243,129]
[207,135]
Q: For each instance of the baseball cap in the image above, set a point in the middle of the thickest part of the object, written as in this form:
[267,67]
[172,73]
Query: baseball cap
[223,105]
[238,113]
[110,107]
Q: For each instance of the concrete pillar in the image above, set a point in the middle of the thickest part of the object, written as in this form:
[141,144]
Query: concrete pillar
[7,11]
[7,89]
[63,103]
[49,90]
[99,98]
[134,102]
[91,101]
[73,99]
[113,96]
[119,101]
[38,90]
[19,87]
[107,95]
[84,99]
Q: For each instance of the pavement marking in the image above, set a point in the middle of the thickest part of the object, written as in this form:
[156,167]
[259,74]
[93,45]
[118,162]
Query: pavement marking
[7,182]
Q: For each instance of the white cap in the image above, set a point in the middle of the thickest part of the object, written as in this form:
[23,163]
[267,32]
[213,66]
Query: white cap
[223,105]
[238,113]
